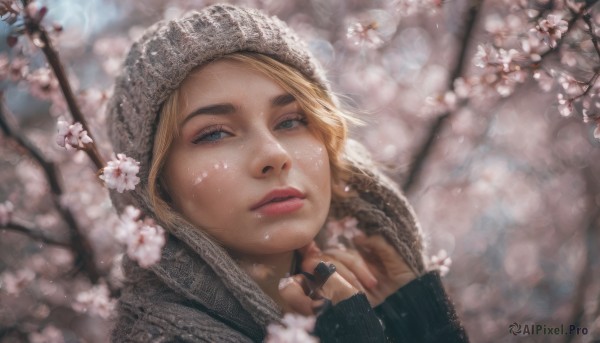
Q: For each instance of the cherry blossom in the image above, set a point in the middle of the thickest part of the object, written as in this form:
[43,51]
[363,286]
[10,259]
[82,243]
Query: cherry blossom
[71,135]
[50,334]
[143,238]
[565,106]
[294,328]
[552,28]
[18,69]
[6,211]
[8,11]
[146,244]
[43,84]
[121,173]
[441,261]
[341,232]
[95,300]
[366,35]
[14,283]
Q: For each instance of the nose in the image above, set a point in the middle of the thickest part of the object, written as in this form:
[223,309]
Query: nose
[270,158]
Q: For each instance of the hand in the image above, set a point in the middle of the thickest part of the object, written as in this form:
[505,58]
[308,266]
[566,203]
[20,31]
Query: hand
[295,290]
[381,260]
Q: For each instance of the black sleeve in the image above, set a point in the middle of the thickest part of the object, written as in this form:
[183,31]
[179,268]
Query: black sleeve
[421,311]
[350,320]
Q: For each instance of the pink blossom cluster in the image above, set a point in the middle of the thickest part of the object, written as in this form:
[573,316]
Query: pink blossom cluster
[121,173]
[44,85]
[411,7]
[9,11]
[13,70]
[71,135]
[551,29]
[50,334]
[294,328]
[340,232]
[6,211]
[441,261]
[366,35]
[143,238]
[14,283]
[95,300]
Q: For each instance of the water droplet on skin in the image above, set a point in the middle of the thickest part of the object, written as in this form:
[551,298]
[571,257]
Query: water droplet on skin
[347,189]
[225,166]
[204,174]
[198,180]
[217,166]
[267,236]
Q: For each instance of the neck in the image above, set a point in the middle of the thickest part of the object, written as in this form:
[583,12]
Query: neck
[267,270]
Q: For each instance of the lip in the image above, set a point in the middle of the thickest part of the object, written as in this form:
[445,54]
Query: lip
[267,206]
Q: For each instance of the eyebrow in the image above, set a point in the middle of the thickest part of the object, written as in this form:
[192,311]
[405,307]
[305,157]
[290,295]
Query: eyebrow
[228,108]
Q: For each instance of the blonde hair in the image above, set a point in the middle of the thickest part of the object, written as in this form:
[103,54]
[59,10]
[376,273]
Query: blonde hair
[325,119]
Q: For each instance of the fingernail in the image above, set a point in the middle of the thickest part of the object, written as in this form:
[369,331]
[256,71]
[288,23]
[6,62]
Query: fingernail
[284,282]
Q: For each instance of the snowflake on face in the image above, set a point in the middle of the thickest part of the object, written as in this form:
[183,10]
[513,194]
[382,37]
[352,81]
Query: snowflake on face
[295,329]
[71,135]
[143,238]
[121,173]
[442,262]
[96,301]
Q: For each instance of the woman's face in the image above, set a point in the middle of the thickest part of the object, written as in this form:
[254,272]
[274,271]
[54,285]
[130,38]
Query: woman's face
[245,167]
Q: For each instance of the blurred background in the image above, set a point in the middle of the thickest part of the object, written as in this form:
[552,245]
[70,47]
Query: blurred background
[484,113]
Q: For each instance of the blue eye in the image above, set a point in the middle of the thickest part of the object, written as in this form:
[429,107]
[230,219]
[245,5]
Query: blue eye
[292,123]
[211,135]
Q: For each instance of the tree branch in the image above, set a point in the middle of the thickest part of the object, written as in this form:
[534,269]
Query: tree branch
[34,233]
[78,242]
[34,29]
[591,241]
[440,122]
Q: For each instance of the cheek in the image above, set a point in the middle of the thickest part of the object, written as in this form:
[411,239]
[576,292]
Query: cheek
[315,162]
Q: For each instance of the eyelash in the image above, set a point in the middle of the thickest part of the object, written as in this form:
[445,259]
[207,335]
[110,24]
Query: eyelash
[219,128]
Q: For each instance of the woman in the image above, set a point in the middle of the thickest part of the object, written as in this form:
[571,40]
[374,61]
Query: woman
[244,160]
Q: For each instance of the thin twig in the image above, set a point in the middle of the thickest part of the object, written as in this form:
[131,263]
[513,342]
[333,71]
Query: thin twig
[34,29]
[588,20]
[78,242]
[33,233]
[590,245]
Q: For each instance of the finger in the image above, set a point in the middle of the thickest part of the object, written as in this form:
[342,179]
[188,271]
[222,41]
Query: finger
[378,246]
[294,297]
[336,289]
[345,272]
[356,263]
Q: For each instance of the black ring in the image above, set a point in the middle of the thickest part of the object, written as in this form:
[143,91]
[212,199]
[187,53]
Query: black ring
[322,272]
